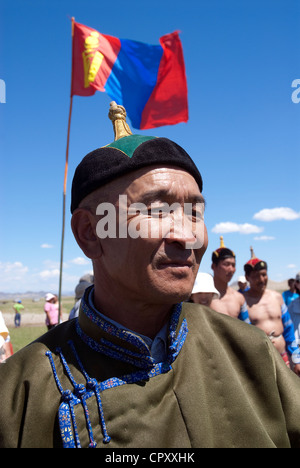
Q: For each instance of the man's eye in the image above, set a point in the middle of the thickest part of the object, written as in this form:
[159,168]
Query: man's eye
[197,214]
[159,211]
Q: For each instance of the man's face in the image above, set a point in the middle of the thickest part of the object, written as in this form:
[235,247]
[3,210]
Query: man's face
[157,261]
[258,280]
[202,298]
[225,269]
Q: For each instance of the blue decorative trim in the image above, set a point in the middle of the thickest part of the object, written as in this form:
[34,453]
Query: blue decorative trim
[140,359]
[66,416]
[112,330]
[120,354]
[94,386]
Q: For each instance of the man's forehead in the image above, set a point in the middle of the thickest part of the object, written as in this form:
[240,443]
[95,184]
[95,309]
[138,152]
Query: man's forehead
[148,172]
[160,179]
[161,173]
[261,271]
[227,260]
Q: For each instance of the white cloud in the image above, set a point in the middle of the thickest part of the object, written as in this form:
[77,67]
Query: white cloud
[17,277]
[17,269]
[275,214]
[47,246]
[291,266]
[47,274]
[264,238]
[51,264]
[80,261]
[246,228]
[13,275]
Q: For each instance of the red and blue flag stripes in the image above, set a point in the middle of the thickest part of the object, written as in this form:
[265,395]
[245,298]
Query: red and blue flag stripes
[148,80]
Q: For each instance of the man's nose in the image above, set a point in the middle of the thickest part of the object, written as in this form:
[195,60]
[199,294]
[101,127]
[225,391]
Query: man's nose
[185,232]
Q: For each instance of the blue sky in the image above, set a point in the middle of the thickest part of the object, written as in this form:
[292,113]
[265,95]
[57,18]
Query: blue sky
[241,58]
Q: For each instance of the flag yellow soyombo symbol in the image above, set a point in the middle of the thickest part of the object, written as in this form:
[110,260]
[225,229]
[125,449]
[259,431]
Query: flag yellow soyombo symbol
[92,58]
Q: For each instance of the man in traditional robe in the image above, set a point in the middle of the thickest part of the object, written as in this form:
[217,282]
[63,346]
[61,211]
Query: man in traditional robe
[140,367]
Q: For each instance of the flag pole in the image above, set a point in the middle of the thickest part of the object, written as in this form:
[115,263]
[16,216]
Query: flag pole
[60,314]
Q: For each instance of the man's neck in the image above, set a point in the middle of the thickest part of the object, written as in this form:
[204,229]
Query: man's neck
[144,319]
[221,286]
[256,293]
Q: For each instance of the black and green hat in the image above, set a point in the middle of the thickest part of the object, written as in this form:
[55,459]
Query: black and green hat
[126,154]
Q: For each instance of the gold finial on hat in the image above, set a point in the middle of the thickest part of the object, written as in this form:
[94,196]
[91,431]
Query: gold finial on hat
[117,115]
[252,253]
[222,245]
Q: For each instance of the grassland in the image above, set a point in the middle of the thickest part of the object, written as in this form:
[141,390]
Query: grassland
[35,307]
[22,336]
[32,320]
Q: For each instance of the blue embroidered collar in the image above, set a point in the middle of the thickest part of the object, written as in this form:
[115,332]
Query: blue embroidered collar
[158,345]
[116,343]
[123,344]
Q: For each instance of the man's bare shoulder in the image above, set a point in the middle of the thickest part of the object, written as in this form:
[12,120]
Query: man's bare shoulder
[250,294]
[275,295]
[269,296]
[237,295]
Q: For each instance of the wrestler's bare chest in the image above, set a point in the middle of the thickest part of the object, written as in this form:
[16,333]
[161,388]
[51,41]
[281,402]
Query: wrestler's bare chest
[265,313]
[229,304]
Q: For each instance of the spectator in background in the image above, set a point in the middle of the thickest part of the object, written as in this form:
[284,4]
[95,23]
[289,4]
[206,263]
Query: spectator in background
[243,284]
[18,308]
[204,290]
[291,294]
[51,310]
[84,282]
[294,310]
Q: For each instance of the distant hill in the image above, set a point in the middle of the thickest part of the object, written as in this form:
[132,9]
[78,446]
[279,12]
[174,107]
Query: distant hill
[34,295]
[278,286]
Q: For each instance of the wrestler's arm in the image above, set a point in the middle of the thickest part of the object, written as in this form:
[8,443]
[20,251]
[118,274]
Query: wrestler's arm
[244,315]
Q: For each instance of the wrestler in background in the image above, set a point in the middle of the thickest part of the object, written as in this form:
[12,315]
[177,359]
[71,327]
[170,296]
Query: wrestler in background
[230,302]
[268,311]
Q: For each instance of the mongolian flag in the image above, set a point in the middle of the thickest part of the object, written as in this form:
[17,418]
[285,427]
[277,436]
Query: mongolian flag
[148,80]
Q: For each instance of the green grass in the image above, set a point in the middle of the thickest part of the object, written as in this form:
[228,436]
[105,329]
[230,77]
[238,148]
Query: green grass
[25,334]
[22,336]
[6,306]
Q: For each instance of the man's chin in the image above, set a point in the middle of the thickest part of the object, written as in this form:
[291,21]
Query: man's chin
[172,297]
[173,290]
[261,288]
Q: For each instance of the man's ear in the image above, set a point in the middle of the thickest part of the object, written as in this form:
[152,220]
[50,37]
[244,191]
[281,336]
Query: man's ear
[84,229]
